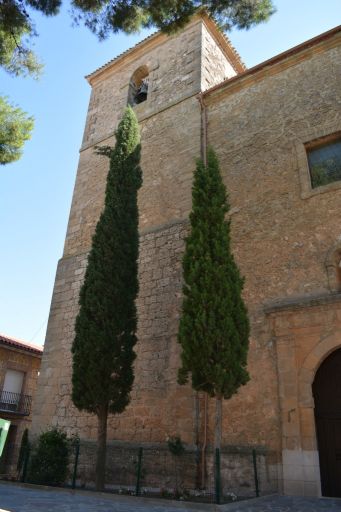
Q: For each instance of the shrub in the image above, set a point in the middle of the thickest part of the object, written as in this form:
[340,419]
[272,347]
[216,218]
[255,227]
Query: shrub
[50,458]
[175,445]
[24,447]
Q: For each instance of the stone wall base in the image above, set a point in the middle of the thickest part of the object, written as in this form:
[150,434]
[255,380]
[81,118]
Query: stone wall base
[301,473]
[165,473]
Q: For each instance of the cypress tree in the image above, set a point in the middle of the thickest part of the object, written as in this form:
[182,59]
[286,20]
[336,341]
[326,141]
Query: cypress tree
[24,447]
[105,330]
[214,326]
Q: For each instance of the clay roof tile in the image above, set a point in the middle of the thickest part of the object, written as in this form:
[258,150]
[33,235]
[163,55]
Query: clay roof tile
[20,344]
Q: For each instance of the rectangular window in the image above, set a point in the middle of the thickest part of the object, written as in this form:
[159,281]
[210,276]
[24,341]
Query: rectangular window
[13,381]
[11,392]
[324,159]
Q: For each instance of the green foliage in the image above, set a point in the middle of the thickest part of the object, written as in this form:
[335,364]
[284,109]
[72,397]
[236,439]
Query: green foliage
[103,16]
[175,445]
[24,447]
[50,459]
[15,56]
[15,129]
[323,174]
[16,33]
[17,30]
[105,328]
[214,326]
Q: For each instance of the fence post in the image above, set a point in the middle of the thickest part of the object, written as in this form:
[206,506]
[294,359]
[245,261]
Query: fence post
[217,476]
[25,466]
[138,474]
[255,471]
[74,476]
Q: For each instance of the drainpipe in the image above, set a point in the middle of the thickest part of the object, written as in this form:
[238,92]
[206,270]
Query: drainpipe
[203,142]
[203,149]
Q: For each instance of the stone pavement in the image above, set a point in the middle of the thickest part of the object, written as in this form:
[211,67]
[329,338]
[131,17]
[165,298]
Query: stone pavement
[16,498]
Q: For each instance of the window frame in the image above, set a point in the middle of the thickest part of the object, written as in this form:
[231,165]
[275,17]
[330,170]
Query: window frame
[317,144]
[302,149]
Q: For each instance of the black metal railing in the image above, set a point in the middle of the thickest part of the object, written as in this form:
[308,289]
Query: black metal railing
[16,403]
[231,474]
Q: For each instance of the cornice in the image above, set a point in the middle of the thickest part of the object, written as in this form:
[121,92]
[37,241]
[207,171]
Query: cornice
[275,65]
[128,56]
[298,303]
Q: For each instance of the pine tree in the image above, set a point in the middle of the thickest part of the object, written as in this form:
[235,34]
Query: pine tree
[15,130]
[103,348]
[214,326]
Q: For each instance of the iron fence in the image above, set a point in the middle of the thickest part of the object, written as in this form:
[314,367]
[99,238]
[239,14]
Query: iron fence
[232,474]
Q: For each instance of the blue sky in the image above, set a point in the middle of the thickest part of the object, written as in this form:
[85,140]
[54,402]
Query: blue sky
[36,192]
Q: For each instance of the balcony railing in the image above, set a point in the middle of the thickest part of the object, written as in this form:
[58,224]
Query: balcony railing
[15,403]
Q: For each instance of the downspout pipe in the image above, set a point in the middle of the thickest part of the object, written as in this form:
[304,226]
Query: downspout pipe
[203,142]
[203,149]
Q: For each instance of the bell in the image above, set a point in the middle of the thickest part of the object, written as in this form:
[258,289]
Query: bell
[140,97]
[142,92]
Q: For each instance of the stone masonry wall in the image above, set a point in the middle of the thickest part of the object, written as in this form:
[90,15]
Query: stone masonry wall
[18,360]
[174,74]
[159,406]
[29,364]
[163,472]
[171,141]
[306,332]
[281,240]
[255,131]
[168,160]
[215,67]
[258,125]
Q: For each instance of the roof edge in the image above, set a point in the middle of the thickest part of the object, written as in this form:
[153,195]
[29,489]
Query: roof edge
[20,344]
[113,62]
[223,41]
[225,44]
[276,59]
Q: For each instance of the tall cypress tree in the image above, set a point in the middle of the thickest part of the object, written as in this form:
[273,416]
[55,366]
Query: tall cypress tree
[214,326]
[103,347]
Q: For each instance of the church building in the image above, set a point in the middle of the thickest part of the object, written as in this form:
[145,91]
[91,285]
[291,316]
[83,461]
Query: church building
[276,129]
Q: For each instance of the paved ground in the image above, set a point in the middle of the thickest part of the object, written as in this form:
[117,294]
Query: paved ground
[14,498]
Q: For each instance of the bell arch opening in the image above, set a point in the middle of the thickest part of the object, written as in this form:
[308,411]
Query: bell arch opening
[327,397]
[138,86]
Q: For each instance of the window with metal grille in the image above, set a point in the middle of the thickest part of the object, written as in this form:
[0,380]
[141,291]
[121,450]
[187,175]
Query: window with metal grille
[324,159]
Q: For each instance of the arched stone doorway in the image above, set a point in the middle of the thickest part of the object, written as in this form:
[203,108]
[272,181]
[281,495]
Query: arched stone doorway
[327,396]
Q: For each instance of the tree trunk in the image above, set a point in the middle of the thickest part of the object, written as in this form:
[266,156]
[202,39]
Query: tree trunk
[217,446]
[101,447]
[218,421]
[203,451]
[197,439]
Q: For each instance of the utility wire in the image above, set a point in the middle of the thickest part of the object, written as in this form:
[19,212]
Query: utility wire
[38,331]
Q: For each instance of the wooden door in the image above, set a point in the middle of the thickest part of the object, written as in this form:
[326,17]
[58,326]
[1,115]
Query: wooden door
[327,395]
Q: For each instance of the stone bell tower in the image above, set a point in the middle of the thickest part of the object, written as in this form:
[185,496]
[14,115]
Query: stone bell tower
[161,76]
